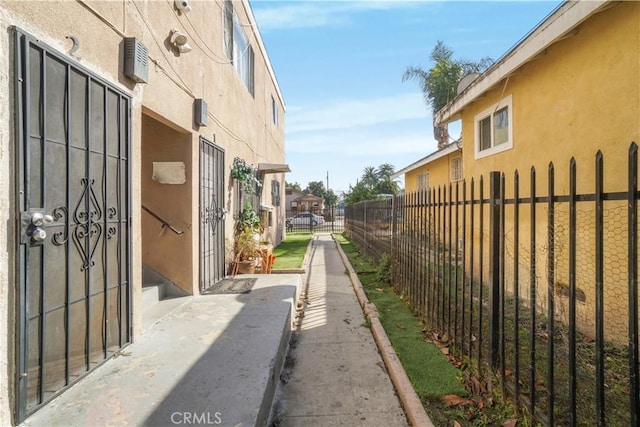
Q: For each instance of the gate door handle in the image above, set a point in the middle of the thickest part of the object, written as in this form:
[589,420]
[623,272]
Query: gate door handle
[33,224]
[38,234]
[38,219]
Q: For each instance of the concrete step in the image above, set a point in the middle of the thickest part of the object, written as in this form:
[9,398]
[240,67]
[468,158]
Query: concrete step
[159,297]
[152,294]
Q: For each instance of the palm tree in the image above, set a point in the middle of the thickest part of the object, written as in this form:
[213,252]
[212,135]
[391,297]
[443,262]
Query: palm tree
[385,170]
[369,176]
[385,184]
[439,84]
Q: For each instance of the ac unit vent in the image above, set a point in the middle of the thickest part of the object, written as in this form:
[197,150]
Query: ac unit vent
[136,60]
[200,112]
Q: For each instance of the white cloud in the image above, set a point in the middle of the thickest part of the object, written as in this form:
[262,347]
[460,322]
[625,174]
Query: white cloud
[306,14]
[348,114]
[346,153]
[364,143]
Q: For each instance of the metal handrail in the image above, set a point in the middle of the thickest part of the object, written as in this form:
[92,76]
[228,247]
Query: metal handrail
[164,223]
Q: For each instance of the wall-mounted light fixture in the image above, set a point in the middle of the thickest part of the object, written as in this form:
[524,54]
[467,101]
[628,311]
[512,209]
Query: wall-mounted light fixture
[183,6]
[180,41]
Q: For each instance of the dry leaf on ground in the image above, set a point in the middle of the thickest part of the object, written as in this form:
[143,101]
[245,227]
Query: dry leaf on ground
[455,400]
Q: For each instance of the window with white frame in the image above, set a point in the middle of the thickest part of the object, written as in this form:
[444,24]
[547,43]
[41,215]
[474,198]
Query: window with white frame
[423,181]
[494,129]
[456,168]
[237,47]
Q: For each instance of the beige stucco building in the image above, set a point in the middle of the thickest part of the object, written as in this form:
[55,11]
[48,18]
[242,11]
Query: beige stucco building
[118,129]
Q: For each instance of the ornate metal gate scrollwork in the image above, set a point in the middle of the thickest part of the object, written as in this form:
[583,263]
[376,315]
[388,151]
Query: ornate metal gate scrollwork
[72,208]
[87,230]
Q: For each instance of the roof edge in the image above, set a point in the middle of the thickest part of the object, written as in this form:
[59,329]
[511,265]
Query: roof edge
[428,159]
[563,19]
[263,49]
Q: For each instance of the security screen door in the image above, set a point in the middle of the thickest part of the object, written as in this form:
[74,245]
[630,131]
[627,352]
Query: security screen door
[73,221]
[212,214]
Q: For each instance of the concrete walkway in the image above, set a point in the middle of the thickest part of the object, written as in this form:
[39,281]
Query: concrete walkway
[211,360]
[334,374]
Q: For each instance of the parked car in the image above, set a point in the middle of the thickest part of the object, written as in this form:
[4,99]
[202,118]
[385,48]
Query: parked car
[305,218]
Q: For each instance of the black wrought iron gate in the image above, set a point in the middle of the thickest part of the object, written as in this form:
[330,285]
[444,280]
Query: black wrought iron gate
[212,214]
[73,221]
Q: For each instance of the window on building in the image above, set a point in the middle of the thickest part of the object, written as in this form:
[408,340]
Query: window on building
[456,168]
[494,129]
[237,47]
[423,181]
[274,111]
[275,193]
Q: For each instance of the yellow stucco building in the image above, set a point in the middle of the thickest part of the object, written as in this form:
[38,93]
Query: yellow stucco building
[567,90]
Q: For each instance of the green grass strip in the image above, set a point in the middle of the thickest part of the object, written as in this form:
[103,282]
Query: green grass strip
[290,252]
[429,370]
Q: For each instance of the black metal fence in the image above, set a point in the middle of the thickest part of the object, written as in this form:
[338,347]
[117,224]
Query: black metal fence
[537,291]
[329,220]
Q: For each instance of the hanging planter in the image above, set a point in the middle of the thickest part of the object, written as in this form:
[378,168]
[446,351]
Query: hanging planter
[246,175]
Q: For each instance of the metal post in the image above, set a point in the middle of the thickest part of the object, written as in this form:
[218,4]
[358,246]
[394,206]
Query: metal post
[494,267]
[634,356]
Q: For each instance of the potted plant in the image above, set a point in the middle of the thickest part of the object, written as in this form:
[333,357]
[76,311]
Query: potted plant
[247,240]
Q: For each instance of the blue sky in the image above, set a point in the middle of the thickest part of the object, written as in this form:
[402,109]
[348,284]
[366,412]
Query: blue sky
[339,65]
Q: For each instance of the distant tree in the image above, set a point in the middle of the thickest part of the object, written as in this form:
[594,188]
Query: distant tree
[316,188]
[373,183]
[358,193]
[439,83]
[295,186]
[385,171]
[330,198]
[385,184]
[369,176]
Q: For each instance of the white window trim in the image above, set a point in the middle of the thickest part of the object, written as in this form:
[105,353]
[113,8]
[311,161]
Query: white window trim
[506,102]
[242,60]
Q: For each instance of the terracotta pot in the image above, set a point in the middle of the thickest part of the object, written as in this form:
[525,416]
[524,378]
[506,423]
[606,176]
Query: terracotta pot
[245,267]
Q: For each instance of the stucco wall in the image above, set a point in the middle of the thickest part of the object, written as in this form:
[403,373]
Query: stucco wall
[439,173]
[580,96]
[238,122]
[7,296]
